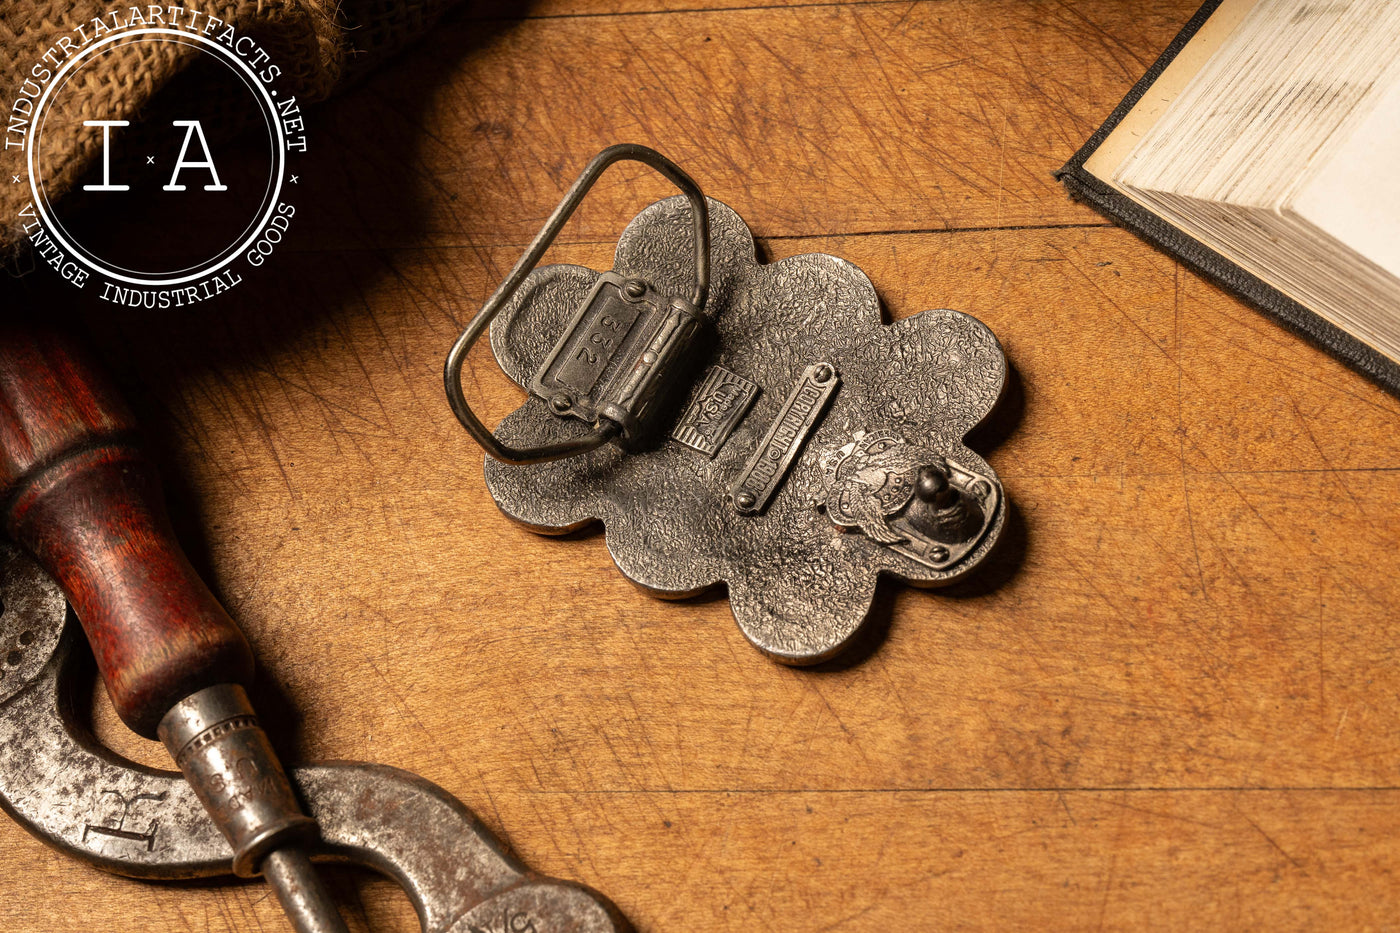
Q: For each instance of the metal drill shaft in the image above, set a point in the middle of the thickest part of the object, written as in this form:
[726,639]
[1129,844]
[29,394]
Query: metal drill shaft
[216,741]
[299,890]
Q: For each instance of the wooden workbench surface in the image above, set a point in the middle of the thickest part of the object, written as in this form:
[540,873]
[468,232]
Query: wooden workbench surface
[1170,700]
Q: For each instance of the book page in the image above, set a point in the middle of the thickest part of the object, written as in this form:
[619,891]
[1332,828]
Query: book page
[1212,34]
[1355,194]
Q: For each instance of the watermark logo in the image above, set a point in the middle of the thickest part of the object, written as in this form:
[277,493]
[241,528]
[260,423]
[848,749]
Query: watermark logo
[174,212]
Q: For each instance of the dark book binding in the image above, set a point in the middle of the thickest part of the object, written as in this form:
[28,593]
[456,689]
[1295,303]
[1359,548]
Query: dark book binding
[1200,258]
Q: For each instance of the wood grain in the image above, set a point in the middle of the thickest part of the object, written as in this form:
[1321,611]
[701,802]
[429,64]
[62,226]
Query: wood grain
[807,120]
[1168,702]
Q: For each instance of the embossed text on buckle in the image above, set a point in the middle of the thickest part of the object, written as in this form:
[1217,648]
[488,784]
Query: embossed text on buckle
[622,355]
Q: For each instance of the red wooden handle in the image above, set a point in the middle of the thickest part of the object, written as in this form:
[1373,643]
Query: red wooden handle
[79,495]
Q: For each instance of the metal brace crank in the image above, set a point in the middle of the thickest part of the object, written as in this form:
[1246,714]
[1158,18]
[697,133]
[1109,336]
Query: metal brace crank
[74,794]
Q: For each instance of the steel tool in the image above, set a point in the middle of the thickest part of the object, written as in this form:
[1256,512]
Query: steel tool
[787,443]
[59,783]
[80,497]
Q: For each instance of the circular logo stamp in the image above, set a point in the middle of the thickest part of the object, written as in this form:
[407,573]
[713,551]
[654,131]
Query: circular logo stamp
[179,205]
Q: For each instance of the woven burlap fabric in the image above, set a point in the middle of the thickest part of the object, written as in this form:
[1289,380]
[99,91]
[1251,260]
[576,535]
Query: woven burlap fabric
[319,44]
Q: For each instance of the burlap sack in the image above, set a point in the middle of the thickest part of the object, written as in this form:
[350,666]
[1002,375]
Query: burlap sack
[319,44]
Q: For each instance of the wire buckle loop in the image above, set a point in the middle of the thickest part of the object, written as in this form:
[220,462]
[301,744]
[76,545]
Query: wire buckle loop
[612,365]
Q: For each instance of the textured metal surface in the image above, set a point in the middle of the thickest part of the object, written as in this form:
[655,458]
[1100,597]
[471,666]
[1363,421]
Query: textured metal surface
[799,584]
[83,799]
[31,616]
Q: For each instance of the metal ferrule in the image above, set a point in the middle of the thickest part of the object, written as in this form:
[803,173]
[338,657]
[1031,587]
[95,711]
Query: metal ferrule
[217,743]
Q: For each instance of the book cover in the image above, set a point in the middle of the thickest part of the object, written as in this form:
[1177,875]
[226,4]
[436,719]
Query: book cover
[1201,259]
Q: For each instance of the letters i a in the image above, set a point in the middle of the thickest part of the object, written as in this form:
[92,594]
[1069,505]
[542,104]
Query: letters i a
[192,130]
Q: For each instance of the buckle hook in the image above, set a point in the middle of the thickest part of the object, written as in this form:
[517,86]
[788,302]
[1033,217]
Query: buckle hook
[605,428]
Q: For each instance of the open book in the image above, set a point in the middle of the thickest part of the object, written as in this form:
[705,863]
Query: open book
[1269,134]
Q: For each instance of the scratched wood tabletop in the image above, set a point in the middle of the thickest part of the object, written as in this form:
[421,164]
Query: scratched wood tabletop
[1171,699]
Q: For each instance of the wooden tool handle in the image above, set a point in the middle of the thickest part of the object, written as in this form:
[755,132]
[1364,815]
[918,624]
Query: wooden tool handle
[77,492]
